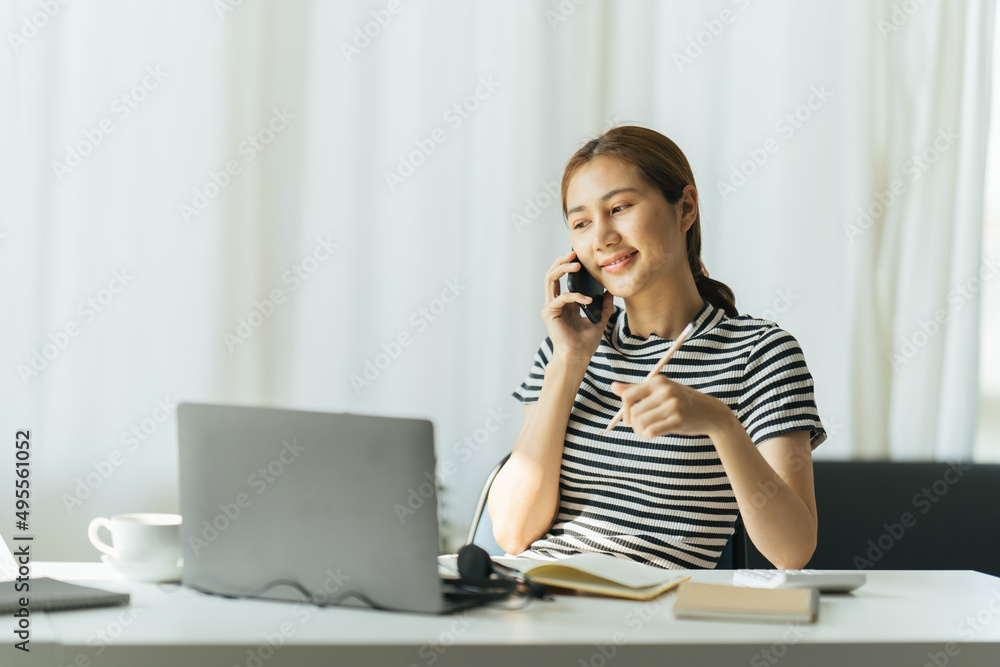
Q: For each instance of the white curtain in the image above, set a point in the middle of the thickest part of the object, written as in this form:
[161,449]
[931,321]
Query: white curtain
[919,267]
[350,207]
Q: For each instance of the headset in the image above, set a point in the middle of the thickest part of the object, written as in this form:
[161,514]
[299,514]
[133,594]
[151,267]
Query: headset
[476,569]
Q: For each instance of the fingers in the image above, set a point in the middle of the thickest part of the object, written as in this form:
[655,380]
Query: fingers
[558,302]
[621,389]
[609,306]
[632,395]
[651,420]
[560,267]
[561,260]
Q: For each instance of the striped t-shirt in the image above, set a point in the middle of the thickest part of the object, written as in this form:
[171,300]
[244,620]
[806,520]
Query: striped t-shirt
[667,501]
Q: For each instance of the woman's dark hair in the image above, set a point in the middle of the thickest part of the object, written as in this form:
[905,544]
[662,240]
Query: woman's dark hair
[664,166]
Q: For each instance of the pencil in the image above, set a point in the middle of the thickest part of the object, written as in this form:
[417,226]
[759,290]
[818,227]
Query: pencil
[663,362]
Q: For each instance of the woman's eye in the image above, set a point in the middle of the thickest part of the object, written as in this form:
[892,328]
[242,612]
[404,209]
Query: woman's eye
[614,211]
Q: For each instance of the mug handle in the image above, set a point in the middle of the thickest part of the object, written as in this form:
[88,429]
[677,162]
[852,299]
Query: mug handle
[96,525]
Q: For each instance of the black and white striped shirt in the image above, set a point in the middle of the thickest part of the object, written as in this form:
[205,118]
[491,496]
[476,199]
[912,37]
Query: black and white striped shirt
[667,501]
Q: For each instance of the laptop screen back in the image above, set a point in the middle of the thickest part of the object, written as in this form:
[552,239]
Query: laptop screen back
[342,505]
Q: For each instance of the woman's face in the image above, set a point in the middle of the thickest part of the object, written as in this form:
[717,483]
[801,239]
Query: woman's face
[612,211]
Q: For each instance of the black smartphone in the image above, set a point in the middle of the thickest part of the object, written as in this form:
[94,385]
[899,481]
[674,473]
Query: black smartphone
[582,282]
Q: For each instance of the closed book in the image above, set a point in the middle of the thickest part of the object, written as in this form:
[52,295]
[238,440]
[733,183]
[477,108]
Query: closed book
[600,574]
[45,594]
[737,603]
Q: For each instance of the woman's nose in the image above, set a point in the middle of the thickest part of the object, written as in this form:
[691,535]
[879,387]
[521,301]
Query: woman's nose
[605,231]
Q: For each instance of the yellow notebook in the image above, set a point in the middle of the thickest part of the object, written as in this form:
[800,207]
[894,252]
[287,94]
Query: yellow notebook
[738,603]
[596,573]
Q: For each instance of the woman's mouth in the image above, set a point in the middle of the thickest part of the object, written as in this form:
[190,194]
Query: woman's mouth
[620,264]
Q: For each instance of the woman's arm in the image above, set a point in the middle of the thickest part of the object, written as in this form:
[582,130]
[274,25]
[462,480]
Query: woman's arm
[524,498]
[773,484]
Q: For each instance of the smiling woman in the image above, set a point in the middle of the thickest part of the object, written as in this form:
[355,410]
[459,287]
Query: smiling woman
[730,430]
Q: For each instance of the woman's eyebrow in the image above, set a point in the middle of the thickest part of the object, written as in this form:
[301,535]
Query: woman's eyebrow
[609,195]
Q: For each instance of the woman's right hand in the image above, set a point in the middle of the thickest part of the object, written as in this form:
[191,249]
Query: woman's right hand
[572,334]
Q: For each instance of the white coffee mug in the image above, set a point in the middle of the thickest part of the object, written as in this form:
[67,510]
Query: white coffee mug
[142,538]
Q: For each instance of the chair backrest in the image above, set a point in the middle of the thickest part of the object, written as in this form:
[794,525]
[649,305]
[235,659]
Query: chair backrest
[481,528]
[734,556]
[885,515]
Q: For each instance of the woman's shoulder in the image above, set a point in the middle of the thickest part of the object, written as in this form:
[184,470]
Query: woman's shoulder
[749,322]
[760,332]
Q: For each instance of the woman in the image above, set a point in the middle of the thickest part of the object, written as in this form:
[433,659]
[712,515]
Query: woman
[728,424]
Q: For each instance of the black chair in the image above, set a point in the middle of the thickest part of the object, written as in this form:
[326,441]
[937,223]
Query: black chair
[884,515]
[734,555]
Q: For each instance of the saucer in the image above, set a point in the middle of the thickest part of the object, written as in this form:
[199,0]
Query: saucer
[149,572]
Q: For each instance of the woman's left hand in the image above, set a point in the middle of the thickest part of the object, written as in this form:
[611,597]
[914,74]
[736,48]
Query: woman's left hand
[660,406]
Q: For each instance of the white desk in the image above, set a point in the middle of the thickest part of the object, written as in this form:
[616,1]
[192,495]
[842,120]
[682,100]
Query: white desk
[897,618]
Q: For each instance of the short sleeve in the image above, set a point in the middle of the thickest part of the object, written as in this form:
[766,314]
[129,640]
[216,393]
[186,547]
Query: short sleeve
[778,390]
[531,387]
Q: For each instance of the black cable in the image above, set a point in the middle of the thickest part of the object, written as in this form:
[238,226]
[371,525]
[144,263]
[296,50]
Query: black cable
[310,598]
[475,591]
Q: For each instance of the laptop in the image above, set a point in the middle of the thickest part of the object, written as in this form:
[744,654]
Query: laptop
[310,506]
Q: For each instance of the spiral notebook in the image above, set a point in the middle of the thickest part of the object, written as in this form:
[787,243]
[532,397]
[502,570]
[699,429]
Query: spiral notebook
[46,594]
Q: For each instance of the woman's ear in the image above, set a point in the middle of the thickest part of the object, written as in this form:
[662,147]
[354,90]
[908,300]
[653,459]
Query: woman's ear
[688,207]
